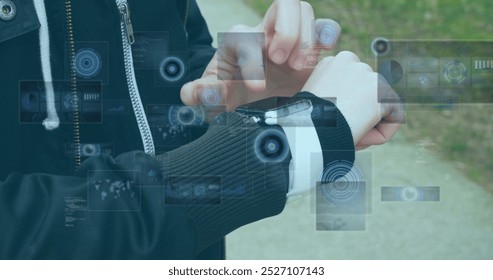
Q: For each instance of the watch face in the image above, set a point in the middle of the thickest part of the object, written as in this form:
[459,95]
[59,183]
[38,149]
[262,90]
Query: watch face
[281,104]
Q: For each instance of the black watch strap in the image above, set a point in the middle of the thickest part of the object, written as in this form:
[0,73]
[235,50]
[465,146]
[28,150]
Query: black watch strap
[333,131]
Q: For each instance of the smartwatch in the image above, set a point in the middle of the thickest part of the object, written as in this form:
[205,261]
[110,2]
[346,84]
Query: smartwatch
[294,116]
[266,111]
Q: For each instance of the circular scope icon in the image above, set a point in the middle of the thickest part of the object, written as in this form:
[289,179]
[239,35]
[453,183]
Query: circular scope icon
[455,72]
[87,63]
[271,146]
[172,69]
[341,183]
[380,46]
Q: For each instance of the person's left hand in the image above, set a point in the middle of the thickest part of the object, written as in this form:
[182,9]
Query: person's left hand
[357,90]
[274,58]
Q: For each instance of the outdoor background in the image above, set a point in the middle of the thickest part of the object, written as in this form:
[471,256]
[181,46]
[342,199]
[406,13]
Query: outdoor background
[450,147]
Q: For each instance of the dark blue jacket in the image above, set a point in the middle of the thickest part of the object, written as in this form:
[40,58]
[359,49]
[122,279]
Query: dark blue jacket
[163,29]
[86,190]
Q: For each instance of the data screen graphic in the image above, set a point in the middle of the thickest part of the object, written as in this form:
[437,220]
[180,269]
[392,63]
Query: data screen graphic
[435,71]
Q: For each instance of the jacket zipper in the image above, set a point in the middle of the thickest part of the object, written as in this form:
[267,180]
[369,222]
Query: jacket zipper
[127,40]
[185,13]
[73,83]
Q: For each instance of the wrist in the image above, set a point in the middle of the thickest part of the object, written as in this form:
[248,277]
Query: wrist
[359,119]
[317,133]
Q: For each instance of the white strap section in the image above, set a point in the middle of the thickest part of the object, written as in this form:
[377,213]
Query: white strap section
[306,152]
[52,121]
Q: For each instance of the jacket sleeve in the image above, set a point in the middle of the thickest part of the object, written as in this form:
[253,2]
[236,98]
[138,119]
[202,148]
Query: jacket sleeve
[240,188]
[104,212]
[199,41]
[251,189]
[140,207]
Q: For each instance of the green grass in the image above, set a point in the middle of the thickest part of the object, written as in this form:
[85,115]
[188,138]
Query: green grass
[462,135]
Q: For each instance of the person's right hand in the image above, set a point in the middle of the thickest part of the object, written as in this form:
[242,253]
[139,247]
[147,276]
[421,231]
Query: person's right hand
[275,58]
[356,88]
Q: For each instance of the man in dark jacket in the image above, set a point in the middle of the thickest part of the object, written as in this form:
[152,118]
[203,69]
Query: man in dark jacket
[86,82]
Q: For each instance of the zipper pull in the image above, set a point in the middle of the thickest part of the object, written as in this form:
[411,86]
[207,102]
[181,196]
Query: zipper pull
[125,12]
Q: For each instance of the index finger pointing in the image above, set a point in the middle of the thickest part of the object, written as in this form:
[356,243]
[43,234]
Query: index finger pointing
[287,29]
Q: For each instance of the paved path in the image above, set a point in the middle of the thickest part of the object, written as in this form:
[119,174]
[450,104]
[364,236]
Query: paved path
[459,226]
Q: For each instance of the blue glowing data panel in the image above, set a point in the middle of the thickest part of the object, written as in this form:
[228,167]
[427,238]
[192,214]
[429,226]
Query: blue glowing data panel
[410,193]
[439,72]
[86,102]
